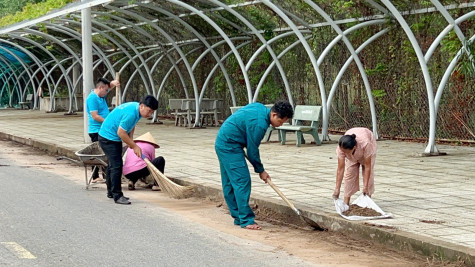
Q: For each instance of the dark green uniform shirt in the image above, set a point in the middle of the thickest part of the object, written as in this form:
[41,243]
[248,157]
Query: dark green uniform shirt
[246,128]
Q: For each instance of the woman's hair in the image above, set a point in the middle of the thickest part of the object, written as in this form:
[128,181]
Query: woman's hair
[347,141]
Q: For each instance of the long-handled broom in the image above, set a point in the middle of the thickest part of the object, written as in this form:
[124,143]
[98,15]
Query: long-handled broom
[297,211]
[167,185]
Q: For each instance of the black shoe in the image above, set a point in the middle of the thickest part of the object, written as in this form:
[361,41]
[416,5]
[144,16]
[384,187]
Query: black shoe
[122,200]
[110,196]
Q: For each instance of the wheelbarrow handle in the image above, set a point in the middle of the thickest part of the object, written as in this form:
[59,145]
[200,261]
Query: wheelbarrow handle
[80,163]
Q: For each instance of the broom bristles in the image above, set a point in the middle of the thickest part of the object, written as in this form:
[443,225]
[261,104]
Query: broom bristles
[167,185]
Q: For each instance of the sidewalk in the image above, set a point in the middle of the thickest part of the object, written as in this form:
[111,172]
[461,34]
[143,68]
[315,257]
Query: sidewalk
[431,198]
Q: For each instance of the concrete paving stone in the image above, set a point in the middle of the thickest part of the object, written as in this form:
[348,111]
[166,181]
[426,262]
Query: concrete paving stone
[321,187]
[387,206]
[392,187]
[466,197]
[397,196]
[446,183]
[469,228]
[403,211]
[464,193]
[461,222]
[428,204]
[389,187]
[266,190]
[411,171]
[301,173]
[305,179]
[450,234]
[400,206]
[297,185]
[420,194]
[321,192]
[468,244]
[297,196]
[457,211]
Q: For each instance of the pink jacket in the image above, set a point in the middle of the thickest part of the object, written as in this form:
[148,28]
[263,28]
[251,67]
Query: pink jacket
[133,163]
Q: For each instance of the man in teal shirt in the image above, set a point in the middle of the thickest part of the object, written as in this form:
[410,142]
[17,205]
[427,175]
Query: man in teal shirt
[245,129]
[97,111]
[119,127]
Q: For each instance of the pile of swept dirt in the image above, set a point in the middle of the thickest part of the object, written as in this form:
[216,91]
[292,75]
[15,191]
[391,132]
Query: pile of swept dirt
[277,218]
[356,210]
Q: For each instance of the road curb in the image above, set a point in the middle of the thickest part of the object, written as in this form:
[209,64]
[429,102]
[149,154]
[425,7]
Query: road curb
[393,237]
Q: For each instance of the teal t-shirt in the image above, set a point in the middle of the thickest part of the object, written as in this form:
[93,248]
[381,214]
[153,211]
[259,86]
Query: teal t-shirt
[124,116]
[99,104]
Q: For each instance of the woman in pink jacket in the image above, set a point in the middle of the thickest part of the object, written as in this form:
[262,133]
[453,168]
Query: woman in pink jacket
[135,168]
[356,148]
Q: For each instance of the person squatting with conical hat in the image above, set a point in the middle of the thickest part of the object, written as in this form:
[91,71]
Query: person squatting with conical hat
[135,168]
[245,129]
[356,148]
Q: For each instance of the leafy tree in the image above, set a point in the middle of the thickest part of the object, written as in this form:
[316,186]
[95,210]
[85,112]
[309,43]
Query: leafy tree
[19,10]
[11,7]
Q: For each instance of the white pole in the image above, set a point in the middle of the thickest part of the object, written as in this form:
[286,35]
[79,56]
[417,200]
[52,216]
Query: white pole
[87,78]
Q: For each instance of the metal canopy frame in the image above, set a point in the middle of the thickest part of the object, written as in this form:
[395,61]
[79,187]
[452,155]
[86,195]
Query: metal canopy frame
[169,40]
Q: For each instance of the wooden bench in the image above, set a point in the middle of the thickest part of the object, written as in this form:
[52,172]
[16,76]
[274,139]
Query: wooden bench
[303,114]
[28,101]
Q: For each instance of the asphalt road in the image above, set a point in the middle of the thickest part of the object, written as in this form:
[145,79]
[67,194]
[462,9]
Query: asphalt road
[46,220]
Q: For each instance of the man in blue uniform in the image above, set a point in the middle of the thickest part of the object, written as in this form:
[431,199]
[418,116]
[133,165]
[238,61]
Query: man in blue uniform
[119,127]
[97,111]
[245,128]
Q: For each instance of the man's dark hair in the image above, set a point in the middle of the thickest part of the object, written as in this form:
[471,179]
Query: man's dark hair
[150,101]
[283,109]
[347,141]
[103,81]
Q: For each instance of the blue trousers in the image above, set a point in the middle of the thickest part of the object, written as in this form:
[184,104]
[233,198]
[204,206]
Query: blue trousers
[236,181]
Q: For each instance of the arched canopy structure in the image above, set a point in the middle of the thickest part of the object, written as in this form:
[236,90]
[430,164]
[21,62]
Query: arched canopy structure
[243,51]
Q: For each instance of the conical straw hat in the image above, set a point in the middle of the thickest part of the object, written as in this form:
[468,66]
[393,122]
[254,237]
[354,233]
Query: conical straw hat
[147,137]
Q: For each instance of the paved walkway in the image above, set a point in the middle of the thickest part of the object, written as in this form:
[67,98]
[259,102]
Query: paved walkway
[431,198]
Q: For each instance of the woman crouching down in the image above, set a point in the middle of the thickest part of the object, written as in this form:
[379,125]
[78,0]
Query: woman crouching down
[356,148]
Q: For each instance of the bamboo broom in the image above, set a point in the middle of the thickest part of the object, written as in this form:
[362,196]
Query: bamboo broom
[167,185]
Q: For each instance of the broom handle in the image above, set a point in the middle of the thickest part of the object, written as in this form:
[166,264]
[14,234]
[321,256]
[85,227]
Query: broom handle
[117,90]
[276,189]
[281,195]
